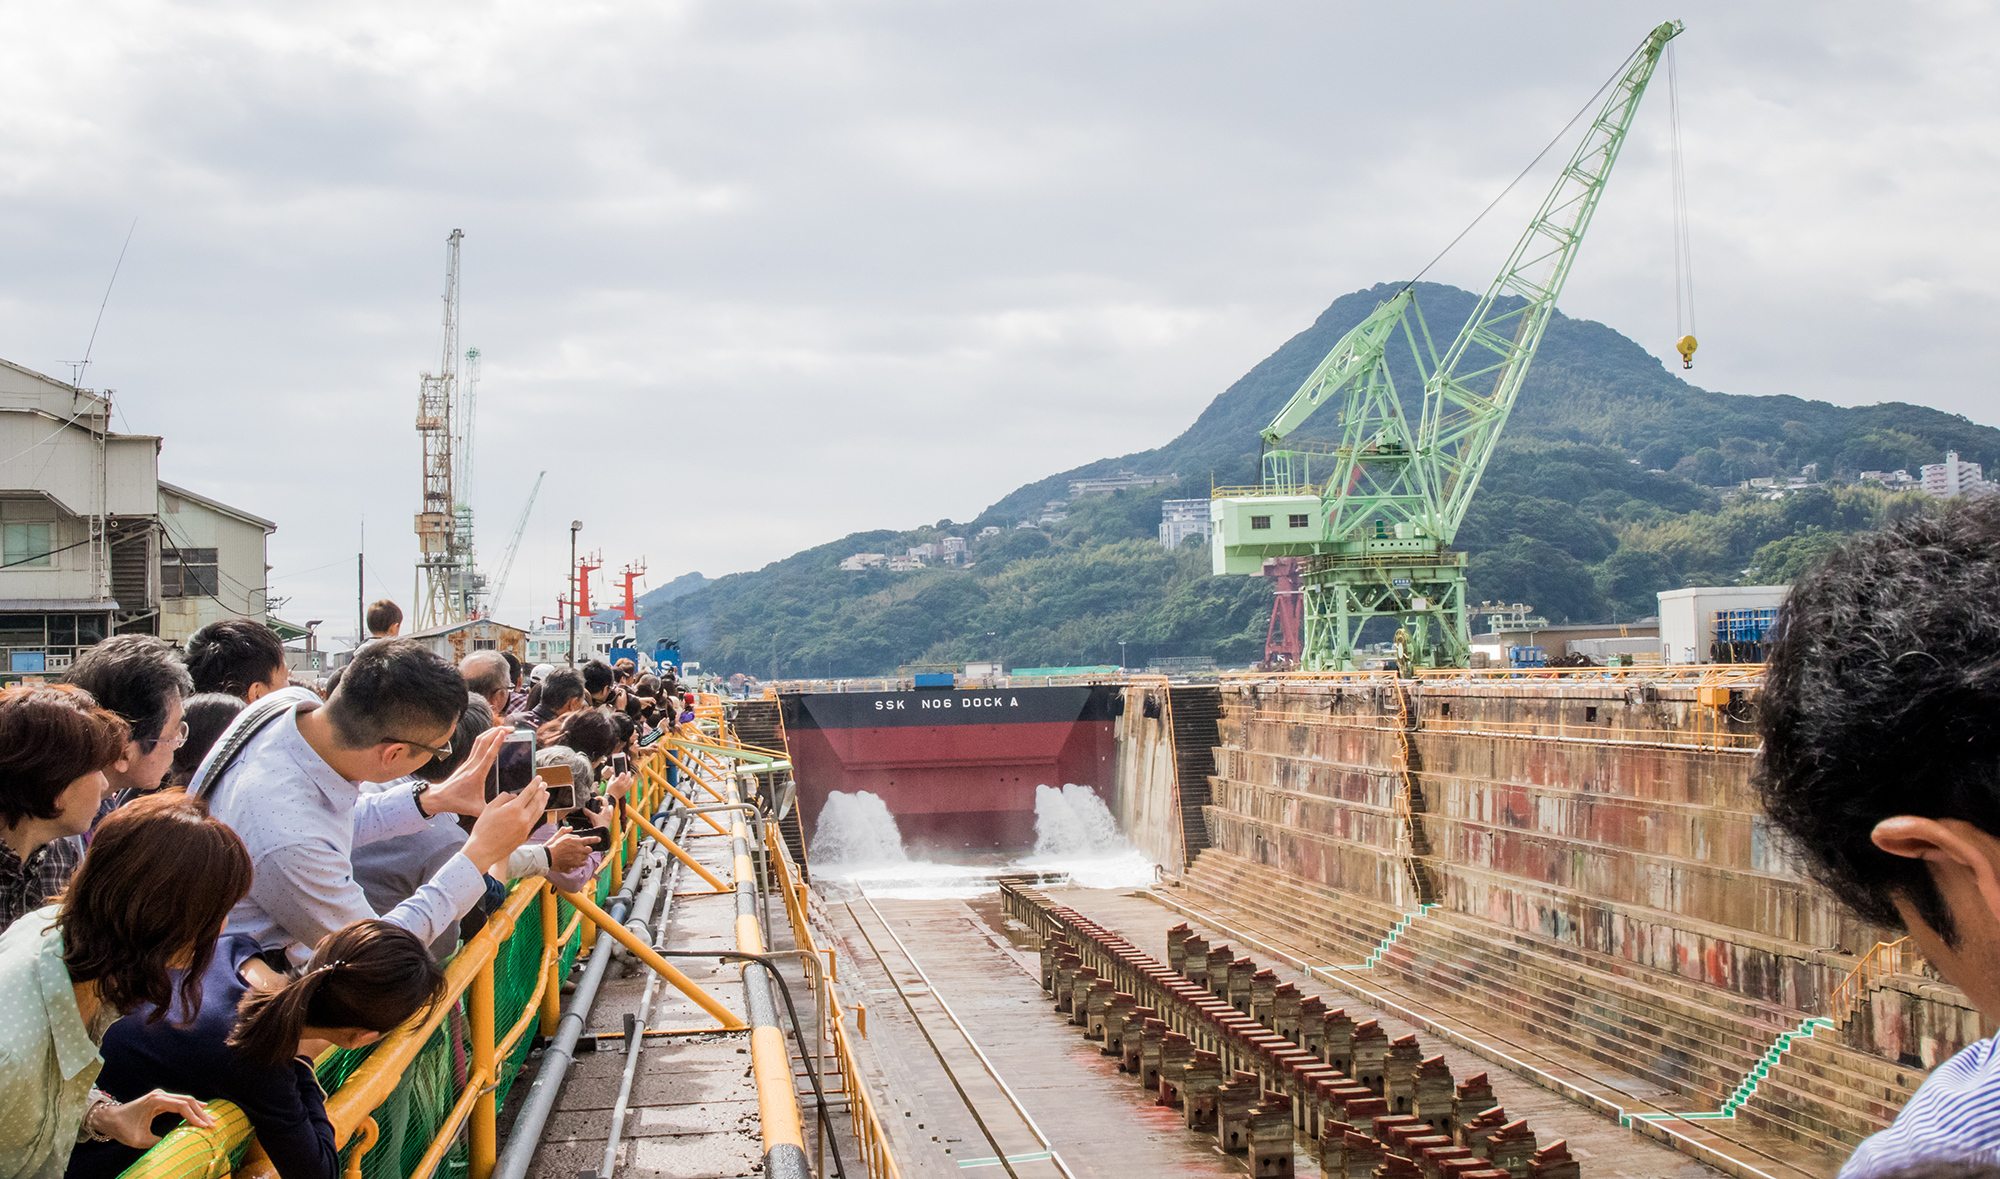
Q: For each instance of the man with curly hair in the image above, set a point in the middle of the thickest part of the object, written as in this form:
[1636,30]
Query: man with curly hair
[1881,763]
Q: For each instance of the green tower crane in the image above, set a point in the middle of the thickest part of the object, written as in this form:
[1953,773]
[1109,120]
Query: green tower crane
[1374,534]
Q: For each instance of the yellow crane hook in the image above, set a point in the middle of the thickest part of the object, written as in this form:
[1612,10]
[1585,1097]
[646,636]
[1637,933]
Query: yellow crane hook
[1685,347]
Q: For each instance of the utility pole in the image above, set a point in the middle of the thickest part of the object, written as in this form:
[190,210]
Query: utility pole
[360,599]
[575,526]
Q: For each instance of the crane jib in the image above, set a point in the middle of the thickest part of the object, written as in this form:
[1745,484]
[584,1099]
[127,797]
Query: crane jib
[1378,528]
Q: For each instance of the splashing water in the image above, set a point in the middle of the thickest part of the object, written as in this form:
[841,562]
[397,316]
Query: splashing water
[857,845]
[1073,822]
[1075,833]
[856,830]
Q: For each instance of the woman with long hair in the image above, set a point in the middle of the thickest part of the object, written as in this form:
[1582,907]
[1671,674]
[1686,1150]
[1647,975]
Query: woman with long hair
[254,1033]
[136,929]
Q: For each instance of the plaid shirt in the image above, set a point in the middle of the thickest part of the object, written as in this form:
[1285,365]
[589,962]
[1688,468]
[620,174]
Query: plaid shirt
[27,886]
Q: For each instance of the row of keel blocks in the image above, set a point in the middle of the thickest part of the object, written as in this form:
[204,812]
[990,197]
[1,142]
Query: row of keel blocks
[1269,1071]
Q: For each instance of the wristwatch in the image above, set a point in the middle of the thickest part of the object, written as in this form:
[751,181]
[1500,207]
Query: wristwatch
[417,792]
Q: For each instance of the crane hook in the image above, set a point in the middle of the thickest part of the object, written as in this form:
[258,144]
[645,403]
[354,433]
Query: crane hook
[1686,347]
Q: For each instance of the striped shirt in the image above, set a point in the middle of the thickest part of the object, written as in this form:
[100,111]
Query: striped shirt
[1953,1117]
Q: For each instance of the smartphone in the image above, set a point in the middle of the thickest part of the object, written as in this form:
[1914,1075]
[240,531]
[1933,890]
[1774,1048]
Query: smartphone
[647,741]
[562,788]
[515,767]
[620,764]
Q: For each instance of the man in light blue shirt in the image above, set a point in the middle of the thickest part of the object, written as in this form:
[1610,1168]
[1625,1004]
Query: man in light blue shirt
[292,793]
[1881,763]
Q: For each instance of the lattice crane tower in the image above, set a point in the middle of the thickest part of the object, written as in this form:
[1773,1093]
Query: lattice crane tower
[1374,532]
[439,563]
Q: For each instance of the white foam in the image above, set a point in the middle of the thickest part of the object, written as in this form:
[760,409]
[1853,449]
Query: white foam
[1076,833]
[856,844]
[856,830]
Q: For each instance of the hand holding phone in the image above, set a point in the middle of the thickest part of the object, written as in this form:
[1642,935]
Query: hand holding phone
[562,788]
[514,766]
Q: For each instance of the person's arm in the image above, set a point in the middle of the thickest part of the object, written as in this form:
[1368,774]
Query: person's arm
[529,859]
[308,888]
[385,814]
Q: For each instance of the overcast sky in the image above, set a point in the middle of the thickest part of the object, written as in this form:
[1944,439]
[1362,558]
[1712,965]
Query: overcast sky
[820,267]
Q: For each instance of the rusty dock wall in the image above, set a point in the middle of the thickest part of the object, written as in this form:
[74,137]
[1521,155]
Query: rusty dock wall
[1601,836]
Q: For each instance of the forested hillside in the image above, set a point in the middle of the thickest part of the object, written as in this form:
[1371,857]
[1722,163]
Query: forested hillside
[1600,495]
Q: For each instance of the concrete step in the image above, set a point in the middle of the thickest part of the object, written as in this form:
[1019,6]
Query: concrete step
[1821,1093]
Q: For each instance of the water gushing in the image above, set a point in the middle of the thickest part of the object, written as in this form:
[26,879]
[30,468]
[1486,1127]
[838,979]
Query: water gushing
[856,831]
[1073,822]
[857,845]
[1075,833]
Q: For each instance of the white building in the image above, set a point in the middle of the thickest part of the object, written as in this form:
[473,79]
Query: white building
[1953,477]
[860,561]
[989,530]
[92,543]
[905,564]
[1118,482]
[207,551]
[1893,480]
[609,641]
[952,549]
[923,552]
[1687,616]
[1182,518]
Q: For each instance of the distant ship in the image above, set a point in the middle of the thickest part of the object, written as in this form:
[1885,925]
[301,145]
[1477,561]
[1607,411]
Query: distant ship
[957,768]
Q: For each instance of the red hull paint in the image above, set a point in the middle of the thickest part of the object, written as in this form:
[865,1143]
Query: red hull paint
[963,787]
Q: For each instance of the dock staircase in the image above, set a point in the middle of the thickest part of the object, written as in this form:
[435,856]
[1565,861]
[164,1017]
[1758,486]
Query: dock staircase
[1413,840]
[1192,713]
[1717,1049]
[761,723]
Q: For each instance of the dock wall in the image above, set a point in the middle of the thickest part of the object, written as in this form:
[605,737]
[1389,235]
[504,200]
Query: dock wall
[1614,821]
[1144,798]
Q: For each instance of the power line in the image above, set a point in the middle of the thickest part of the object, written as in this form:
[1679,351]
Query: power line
[1581,111]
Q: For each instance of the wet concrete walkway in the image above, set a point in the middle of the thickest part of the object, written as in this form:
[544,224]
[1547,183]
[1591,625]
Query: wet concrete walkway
[1096,1118]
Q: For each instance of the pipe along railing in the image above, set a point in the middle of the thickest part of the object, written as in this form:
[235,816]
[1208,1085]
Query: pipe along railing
[431,1090]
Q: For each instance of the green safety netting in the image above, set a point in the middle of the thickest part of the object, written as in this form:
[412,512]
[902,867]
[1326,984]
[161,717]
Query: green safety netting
[409,1120]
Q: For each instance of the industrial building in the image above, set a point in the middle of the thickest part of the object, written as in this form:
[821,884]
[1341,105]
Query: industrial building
[92,543]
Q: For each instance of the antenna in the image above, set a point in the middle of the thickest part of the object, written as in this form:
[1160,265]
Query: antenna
[88,348]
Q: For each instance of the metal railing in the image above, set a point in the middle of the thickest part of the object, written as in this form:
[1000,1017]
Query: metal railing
[869,1133]
[1887,958]
[1738,675]
[471,978]
[1698,737]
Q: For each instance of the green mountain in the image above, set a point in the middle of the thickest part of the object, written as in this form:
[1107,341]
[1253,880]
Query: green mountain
[1599,496]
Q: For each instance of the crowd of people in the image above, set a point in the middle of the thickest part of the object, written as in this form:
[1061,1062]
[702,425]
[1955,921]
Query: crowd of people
[211,869]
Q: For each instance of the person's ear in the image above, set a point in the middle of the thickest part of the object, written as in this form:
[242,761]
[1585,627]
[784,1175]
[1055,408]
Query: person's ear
[1951,845]
[257,692]
[132,754]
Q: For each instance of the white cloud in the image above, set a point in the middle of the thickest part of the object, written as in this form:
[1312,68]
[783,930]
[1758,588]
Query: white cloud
[822,267]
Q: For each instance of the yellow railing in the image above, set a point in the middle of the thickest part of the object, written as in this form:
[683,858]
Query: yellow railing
[192,1153]
[1887,958]
[867,1124]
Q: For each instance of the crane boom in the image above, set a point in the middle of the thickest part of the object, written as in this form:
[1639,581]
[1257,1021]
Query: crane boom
[1377,531]
[514,544]
[1461,424]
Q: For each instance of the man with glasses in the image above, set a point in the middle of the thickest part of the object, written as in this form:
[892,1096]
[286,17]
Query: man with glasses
[142,679]
[286,777]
